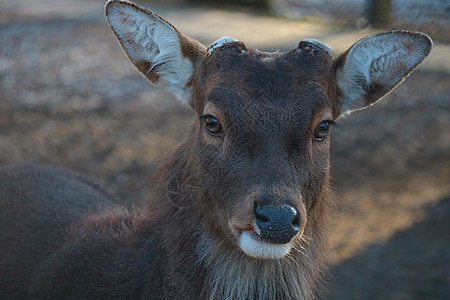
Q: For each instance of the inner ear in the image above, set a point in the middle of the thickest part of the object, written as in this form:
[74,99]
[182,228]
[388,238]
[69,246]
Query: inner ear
[375,65]
[159,51]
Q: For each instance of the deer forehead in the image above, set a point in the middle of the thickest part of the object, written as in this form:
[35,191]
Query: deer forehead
[294,80]
[234,61]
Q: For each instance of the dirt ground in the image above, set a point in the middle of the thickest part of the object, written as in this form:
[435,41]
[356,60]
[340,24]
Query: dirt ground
[69,97]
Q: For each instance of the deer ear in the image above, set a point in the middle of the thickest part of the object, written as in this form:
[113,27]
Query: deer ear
[159,51]
[376,64]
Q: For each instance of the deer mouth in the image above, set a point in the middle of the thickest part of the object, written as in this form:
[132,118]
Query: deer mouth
[252,244]
[254,235]
[269,232]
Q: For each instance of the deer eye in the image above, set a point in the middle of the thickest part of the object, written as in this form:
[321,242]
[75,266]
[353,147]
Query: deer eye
[322,130]
[212,125]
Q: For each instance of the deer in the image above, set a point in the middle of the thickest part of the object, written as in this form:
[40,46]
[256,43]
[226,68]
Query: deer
[240,210]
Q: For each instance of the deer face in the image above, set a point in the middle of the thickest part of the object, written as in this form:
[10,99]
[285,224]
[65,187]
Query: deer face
[260,148]
[263,141]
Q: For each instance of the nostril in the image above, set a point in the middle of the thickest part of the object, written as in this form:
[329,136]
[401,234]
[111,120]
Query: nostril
[261,214]
[261,217]
[296,221]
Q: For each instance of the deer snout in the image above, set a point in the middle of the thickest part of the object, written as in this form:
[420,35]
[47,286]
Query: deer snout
[277,224]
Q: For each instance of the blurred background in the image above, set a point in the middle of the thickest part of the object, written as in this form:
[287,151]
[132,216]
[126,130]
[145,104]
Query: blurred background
[69,97]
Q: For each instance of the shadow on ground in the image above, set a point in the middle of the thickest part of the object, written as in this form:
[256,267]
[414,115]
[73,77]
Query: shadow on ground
[412,264]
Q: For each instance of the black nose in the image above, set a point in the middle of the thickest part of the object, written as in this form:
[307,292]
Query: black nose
[278,224]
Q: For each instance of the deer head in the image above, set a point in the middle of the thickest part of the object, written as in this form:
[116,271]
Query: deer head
[259,148]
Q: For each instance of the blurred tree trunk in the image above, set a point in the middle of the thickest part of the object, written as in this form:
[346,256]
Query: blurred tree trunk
[380,13]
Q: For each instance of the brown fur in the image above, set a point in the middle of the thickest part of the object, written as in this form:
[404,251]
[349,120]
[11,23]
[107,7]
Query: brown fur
[64,237]
[184,194]
[181,245]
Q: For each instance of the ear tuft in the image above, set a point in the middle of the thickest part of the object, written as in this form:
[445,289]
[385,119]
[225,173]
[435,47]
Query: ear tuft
[376,64]
[158,50]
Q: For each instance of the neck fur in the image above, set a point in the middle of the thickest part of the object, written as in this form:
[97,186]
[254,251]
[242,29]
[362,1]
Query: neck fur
[227,272]
[234,275]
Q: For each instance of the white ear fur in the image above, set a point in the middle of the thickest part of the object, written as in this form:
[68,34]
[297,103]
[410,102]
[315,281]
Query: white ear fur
[376,64]
[154,46]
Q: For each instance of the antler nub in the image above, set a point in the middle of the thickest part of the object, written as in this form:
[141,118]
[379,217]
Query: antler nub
[314,44]
[220,43]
